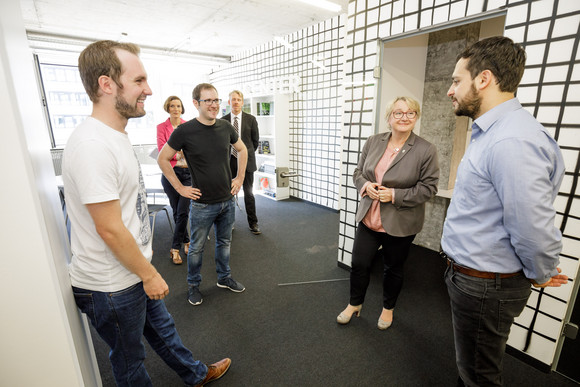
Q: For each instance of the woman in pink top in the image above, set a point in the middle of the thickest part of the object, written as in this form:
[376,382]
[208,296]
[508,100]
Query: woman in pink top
[396,174]
[179,204]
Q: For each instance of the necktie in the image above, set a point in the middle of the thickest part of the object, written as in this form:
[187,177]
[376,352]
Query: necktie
[237,128]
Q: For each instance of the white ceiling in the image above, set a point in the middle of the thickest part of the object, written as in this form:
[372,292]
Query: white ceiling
[219,28]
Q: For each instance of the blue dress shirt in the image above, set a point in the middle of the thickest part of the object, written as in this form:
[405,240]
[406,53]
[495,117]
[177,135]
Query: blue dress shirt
[501,215]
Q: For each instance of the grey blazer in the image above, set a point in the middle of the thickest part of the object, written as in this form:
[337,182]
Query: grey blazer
[414,174]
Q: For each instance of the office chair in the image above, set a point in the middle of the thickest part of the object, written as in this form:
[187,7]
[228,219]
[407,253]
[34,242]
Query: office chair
[154,209]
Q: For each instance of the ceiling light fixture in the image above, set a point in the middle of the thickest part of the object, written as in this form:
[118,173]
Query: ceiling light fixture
[43,42]
[284,43]
[324,4]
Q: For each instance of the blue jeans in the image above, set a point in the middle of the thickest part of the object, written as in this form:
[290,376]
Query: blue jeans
[483,311]
[122,318]
[201,218]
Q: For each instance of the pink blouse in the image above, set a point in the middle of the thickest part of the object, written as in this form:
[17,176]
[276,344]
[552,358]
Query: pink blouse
[164,130]
[373,217]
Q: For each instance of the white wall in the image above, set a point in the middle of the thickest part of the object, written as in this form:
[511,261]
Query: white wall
[42,335]
[403,73]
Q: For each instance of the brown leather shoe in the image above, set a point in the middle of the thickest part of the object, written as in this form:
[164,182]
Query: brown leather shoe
[186,248]
[215,371]
[175,257]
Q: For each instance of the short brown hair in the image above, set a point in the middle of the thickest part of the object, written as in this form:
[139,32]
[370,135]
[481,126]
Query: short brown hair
[99,59]
[500,55]
[196,94]
[168,102]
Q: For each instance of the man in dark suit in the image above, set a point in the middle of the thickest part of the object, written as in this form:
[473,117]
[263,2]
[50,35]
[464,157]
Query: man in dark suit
[247,126]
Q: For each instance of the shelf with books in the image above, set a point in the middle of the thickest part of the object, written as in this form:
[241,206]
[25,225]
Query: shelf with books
[265,147]
[272,114]
[265,174]
[268,159]
[264,107]
[266,184]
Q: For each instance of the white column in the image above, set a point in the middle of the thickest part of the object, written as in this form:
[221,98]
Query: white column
[43,339]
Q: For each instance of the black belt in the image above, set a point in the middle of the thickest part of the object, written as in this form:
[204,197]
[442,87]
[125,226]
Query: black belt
[475,273]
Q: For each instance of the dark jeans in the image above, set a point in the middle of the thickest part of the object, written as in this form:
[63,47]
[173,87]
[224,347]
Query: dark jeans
[395,251]
[179,205]
[122,318]
[202,218]
[249,199]
[483,311]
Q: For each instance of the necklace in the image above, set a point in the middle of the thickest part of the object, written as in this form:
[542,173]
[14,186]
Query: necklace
[396,148]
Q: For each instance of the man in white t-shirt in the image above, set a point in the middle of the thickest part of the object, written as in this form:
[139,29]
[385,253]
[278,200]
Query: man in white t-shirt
[113,279]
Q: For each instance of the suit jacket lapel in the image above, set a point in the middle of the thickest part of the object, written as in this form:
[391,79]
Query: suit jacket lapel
[374,156]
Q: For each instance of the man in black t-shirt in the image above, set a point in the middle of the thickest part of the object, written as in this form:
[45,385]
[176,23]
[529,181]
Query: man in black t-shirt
[205,142]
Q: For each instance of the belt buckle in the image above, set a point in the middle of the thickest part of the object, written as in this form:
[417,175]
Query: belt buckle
[446,257]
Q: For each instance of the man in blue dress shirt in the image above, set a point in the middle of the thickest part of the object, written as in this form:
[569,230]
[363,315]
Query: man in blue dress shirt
[499,234]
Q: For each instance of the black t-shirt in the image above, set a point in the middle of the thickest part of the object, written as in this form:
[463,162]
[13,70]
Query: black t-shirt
[207,151]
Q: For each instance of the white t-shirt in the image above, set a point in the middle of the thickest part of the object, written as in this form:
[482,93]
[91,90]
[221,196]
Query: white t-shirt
[100,165]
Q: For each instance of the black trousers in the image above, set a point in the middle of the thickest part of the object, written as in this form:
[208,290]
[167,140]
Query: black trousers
[395,251]
[179,206]
[248,187]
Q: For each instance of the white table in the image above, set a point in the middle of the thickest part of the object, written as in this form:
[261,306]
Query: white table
[151,179]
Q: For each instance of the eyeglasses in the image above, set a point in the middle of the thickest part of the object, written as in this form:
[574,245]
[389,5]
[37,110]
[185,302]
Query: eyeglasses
[210,102]
[399,114]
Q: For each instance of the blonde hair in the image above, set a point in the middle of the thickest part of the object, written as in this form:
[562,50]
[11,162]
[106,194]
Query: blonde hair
[411,102]
[239,93]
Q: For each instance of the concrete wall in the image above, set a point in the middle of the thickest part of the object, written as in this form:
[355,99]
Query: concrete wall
[440,123]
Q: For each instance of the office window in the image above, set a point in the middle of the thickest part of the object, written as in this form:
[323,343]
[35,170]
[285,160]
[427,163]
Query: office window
[68,105]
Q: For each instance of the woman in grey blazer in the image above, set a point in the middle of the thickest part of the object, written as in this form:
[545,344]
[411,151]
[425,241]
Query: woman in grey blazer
[396,174]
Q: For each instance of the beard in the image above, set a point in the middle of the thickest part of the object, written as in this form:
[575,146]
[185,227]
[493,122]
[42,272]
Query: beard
[470,105]
[126,110]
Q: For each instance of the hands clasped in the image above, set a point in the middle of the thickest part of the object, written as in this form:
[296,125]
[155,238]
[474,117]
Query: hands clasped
[379,192]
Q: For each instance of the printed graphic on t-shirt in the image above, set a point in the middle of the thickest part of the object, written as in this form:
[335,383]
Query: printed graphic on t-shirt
[142,211]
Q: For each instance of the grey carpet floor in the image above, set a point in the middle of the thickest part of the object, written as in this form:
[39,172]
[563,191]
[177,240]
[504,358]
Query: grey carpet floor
[282,330]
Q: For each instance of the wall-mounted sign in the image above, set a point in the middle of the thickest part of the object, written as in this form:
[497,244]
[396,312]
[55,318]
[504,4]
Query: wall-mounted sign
[279,85]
